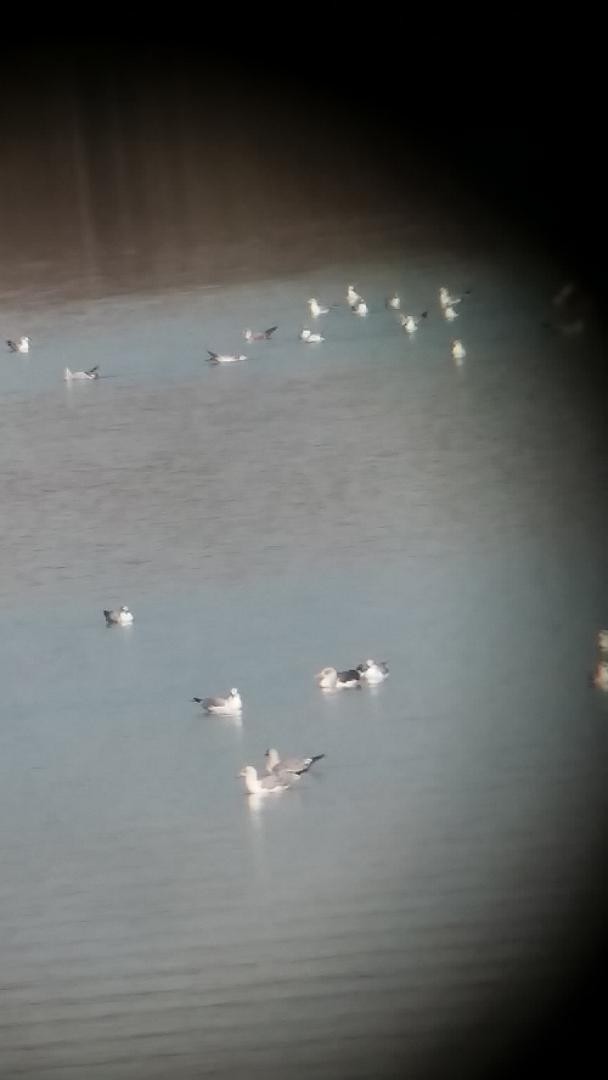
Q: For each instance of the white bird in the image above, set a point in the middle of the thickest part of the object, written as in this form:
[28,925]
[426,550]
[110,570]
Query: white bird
[259,335]
[92,373]
[373,672]
[410,322]
[602,640]
[458,351]
[393,302]
[223,706]
[271,784]
[310,338]
[360,308]
[221,358]
[600,678]
[330,679]
[352,296]
[449,313]
[446,300]
[22,345]
[316,309]
[119,617]
[294,765]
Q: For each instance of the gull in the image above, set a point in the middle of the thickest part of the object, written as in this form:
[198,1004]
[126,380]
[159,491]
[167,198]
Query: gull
[600,677]
[259,335]
[373,672]
[295,765]
[330,679]
[410,322]
[448,301]
[449,313]
[393,302]
[92,373]
[22,345]
[119,617]
[360,308]
[310,338]
[352,296]
[224,706]
[458,350]
[266,785]
[221,358]
[316,309]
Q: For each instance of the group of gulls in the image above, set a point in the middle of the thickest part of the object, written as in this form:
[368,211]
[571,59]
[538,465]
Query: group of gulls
[358,305]
[568,299]
[409,322]
[281,773]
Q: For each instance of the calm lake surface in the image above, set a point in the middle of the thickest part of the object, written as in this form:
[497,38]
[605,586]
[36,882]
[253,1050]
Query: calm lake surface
[414,896]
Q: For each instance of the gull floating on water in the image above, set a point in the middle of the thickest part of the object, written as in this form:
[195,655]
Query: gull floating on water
[265,785]
[119,617]
[410,322]
[449,313]
[600,677]
[373,672]
[458,350]
[295,765]
[224,706]
[448,301]
[360,308]
[310,338]
[330,679]
[393,302]
[316,309]
[259,335]
[352,296]
[222,358]
[22,345]
[92,373]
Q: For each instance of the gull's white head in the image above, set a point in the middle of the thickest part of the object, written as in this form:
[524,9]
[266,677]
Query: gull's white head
[602,640]
[125,608]
[234,692]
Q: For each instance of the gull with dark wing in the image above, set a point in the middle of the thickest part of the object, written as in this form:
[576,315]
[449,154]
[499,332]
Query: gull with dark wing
[259,335]
[231,705]
[295,765]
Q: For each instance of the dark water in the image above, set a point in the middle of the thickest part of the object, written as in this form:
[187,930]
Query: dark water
[420,892]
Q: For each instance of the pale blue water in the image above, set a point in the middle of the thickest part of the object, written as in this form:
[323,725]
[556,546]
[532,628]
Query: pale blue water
[310,506]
